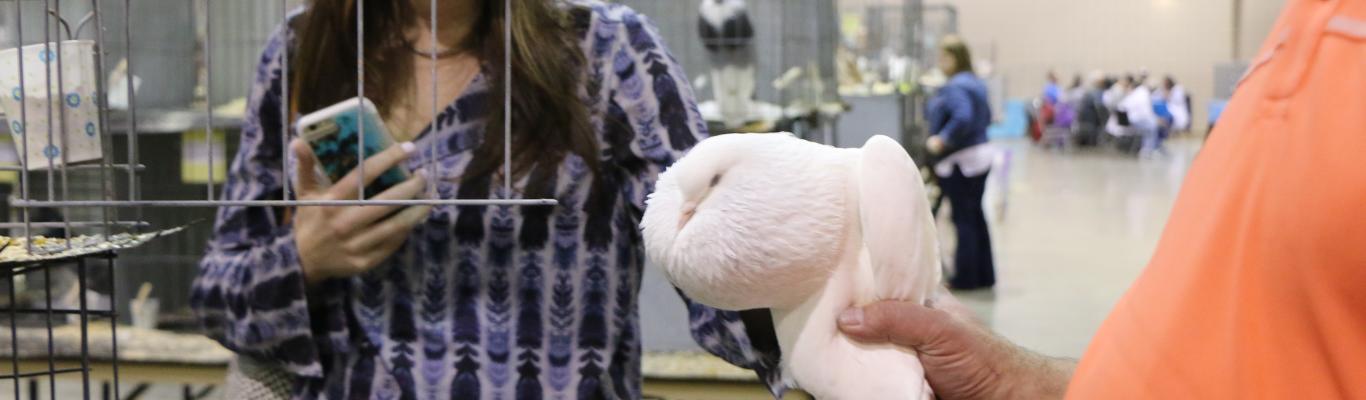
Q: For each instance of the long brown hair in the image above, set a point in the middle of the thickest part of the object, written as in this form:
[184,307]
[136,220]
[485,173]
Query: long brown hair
[548,118]
[956,48]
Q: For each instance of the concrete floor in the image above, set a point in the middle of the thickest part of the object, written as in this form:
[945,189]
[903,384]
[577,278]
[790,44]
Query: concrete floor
[1070,235]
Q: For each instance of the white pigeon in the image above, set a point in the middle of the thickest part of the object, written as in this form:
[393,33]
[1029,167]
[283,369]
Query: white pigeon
[770,221]
[729,38]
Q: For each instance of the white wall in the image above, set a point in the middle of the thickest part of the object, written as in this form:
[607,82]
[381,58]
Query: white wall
[1258,18]
[1183,38]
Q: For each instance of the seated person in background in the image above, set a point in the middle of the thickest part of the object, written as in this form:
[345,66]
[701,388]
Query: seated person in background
[1075,91]
[1178,104]
[1091,111]
[1133,120]
[1162,109]
[1052,93]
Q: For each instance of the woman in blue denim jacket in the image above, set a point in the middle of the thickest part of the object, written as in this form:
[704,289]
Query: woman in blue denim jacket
[959,114]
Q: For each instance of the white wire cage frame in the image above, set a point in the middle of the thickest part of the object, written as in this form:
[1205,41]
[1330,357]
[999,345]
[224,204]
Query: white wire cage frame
[56,172]
[58,188]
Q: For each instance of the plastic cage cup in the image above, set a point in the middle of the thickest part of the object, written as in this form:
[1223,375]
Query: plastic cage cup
[76,96]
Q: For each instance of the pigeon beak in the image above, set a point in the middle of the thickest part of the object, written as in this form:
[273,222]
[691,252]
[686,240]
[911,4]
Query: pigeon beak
[689,209]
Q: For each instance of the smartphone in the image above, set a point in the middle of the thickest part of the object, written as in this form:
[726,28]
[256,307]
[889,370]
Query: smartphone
[334,133]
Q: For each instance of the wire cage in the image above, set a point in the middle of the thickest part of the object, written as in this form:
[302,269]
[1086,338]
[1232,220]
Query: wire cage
[887,68]
[788,47]
[883,61]
[98,95]
[882,47]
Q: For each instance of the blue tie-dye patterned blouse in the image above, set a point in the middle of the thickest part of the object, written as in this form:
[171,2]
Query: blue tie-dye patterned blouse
[482,302]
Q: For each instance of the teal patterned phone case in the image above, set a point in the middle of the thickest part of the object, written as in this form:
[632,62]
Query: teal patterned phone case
[336,141]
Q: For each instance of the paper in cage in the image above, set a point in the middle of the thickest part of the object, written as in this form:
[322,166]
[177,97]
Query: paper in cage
[52,113]
[15,250]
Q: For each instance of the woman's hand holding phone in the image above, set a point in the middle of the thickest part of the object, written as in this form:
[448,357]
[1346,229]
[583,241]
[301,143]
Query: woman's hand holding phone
[341,242]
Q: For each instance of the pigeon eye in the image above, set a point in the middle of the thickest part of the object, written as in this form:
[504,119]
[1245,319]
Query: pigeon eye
[715,179]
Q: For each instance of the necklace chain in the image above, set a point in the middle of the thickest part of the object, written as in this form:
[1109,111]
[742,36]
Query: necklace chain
[447,53]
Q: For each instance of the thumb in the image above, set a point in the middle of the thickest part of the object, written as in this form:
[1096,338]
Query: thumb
[905,324]
[306,179]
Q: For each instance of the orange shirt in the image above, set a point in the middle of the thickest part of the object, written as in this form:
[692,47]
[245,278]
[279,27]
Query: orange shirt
[1257,289]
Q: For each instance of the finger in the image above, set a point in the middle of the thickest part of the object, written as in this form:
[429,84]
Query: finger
[380,241]
[384,249]
[399,225]
[362,216]
[901,323]
[306,181]
[375,166]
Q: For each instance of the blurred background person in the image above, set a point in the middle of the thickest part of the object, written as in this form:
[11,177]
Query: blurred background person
[959,114]
[1091,111]
[1133,121]
[1075,90]
[1178,104]
[1052,93]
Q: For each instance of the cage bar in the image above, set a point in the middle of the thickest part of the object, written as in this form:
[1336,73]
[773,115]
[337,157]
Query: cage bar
[51,363]
[61,311]
[85,327]
[102,96]
[62,149]
[14,331]
[47,88]
[23,120]
[360,93]
[507,98]
[113,325]
[97,167]
[49,373]
[286,114]
[74,224]
[432,164]
[132,142]
[208,92]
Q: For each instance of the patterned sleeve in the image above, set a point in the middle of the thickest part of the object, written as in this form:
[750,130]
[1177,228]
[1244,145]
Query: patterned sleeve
[250,294]
[653,105]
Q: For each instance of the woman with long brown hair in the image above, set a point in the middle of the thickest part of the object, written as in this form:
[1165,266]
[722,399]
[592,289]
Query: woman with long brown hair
[458,302]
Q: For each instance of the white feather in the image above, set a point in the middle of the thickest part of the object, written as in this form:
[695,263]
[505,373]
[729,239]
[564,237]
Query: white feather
[741,249]
[807,231]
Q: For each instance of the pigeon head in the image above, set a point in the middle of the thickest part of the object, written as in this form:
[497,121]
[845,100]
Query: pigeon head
[745,221]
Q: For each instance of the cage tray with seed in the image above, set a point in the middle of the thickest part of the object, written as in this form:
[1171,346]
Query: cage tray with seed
[15,250]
